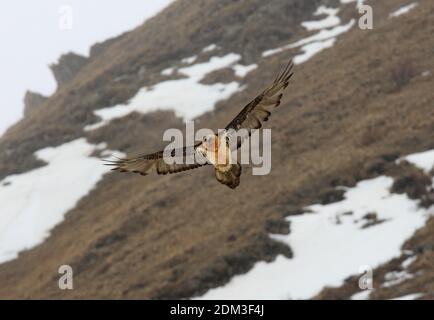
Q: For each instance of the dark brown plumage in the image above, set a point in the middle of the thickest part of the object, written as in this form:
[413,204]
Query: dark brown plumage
[144,163]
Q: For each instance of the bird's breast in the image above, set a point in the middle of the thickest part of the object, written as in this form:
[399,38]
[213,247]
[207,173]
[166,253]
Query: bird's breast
[220,158]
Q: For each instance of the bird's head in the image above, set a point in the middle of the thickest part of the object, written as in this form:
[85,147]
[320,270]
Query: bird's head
[210,142]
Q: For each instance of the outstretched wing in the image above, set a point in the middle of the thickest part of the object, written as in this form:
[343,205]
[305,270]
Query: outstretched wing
[144,164]
[258,110]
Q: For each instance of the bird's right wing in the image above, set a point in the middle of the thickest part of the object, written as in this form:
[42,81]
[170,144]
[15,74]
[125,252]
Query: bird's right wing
[145,164]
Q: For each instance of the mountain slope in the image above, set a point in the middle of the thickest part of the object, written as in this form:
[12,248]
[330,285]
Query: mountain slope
[349,112]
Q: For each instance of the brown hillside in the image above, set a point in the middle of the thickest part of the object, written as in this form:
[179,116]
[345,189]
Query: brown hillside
[347,115]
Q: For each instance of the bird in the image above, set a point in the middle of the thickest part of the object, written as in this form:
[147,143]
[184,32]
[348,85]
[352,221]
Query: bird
[214,149]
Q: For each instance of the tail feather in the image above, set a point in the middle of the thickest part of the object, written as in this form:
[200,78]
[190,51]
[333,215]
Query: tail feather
[230,177]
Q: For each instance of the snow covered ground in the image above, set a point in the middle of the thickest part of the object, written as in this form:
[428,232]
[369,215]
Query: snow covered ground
[423,160]
[329,28]
[359,3]
[210,48]
[331,20]
[412,296]
[189,60]
[362,295]
[334,241]
[241,71]
[403,10]
[34,202]
[187,96]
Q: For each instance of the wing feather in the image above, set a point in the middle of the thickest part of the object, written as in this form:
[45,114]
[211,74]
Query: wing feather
[260,108]
[144,164]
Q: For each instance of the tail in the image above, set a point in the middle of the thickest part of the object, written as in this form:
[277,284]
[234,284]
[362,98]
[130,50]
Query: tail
[230,177]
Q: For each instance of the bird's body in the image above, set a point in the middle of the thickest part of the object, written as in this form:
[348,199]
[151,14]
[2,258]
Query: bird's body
[217,151]
[215,148]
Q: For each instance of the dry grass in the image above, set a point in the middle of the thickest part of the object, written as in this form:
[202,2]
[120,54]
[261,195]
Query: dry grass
[162,237]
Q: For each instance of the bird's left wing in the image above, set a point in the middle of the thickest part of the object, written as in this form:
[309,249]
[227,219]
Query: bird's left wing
[145,164]
[259,109]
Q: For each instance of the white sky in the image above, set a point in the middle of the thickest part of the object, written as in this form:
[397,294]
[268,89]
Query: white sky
[31,39]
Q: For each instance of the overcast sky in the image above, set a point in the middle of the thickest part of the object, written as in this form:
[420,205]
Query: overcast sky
[35,33]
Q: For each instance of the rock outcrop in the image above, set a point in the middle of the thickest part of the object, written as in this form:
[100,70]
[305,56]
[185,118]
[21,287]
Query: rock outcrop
[32,100]
[67,67]
[100,47]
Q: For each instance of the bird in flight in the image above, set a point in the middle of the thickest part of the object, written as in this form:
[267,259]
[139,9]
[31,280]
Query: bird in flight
[215,149]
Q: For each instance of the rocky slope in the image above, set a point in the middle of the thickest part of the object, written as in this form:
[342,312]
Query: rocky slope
[350,112]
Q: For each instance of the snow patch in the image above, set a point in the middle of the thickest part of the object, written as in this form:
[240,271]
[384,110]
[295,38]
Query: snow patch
[189,60]
[34,202]
[330,21]
[210,48]
[412,296]
[394,278]
[408,262]
[199,70]
[422,160]
[327,252]
[325,34]
[403,10]
[241,71]
[311,49]
[362,295]
[313,44]
[359,3]
[168,72]
[188,97]
[328,28]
